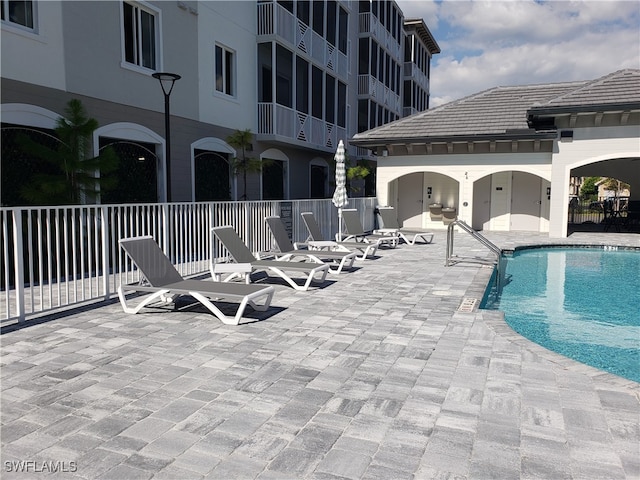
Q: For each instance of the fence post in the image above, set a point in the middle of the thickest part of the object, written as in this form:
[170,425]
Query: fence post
[106,273]
[166,229]
[18,253]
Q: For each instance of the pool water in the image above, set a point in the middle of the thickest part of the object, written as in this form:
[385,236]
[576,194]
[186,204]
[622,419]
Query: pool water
[583,303]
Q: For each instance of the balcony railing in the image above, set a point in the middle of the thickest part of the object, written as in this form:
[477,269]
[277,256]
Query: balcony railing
[275,20]
[64,256]
[287,123]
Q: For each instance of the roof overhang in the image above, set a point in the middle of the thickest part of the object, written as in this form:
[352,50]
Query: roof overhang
[509,136]
[423,32]
[568,109]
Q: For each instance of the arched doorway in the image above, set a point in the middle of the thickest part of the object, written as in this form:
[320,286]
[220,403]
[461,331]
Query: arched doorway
[211,175]
[137,172]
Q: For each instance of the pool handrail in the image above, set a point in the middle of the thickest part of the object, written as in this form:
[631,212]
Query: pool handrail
[451,259]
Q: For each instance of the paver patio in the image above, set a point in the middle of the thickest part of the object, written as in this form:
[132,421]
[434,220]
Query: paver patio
[377,375]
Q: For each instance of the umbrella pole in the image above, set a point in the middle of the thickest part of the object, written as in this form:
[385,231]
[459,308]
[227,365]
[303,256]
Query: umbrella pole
[340,224]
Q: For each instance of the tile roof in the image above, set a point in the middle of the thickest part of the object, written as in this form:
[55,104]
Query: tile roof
[500,110]
[616,88]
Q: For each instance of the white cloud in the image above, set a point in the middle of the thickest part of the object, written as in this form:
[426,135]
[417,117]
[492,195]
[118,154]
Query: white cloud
[491,43]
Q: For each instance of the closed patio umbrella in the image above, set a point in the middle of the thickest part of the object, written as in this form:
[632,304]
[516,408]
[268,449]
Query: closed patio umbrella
[340,198]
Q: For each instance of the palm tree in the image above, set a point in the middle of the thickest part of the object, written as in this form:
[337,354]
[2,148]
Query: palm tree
[72,177]
[241,140]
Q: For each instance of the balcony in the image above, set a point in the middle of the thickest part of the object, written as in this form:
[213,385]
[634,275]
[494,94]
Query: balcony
[280,123]
[370,87]
[371,26]
[276,21]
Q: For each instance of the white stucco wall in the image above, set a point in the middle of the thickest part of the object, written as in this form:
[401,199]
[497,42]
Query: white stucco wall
[464,169]
[36,57]
[228,23]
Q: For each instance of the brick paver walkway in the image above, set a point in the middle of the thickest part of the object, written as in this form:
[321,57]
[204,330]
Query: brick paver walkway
[377,375]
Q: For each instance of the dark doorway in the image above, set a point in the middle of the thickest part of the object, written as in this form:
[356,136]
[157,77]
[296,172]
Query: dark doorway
[137,172]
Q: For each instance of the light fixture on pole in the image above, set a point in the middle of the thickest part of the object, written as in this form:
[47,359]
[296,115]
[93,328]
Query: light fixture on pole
[166,82]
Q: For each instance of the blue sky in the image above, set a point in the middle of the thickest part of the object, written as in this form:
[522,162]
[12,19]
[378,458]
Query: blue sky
[519,42]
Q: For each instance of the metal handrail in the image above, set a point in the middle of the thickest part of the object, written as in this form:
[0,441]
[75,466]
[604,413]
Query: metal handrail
[451,258]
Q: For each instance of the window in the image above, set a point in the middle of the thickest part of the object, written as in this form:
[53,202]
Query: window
[140,35]
[224,71]
[318,18]
[302,85]
[284,76]
[316,87]
[342,104]
[343,18]
[331,22]
[18,12]
[265,82]
[330,99]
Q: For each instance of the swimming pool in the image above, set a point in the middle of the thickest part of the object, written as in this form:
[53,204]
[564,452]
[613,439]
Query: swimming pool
[583,303]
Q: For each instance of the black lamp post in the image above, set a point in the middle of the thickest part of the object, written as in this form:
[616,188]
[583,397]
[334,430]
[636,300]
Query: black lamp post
[166,82]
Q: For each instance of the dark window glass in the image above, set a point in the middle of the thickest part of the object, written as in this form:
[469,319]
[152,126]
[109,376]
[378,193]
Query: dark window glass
[318,17]
[284,76]
[148,39]
[129,33]
[330,99]
[331,22]
[302,11]
[287,5]
[407,94]
[20,13]
[343,27]
[265,81]
[139,36]
[302,85]
[342,104]
[373,69]
[363,56]
[364,6]
[363,115]
[316,100]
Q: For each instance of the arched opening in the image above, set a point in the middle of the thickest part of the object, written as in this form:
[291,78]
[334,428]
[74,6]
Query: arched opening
[137,172]
[20,122]
[141,172]
[211,176]
[414,193]
[274,175]
[604,196]
[318,179]
[511,201]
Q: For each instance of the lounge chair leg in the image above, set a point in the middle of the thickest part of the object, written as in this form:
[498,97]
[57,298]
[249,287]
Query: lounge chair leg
[123,300]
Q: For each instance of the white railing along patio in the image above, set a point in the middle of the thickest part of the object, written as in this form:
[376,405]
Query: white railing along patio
[62,256]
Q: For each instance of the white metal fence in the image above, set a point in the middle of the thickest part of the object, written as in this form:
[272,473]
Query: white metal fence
[63,256]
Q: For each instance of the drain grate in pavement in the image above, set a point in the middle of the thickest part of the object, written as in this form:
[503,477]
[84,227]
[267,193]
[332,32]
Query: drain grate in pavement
[468,305]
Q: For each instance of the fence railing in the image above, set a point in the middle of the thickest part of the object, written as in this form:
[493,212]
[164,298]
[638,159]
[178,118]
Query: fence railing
[62,256]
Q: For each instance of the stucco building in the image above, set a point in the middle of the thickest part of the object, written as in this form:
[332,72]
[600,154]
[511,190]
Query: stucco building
[503,158]
[300,75]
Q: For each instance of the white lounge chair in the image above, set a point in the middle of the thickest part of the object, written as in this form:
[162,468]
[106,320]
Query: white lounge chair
[355,231]
[240,253]
[160,278]
[286,250]
[391,226]
[317,240]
